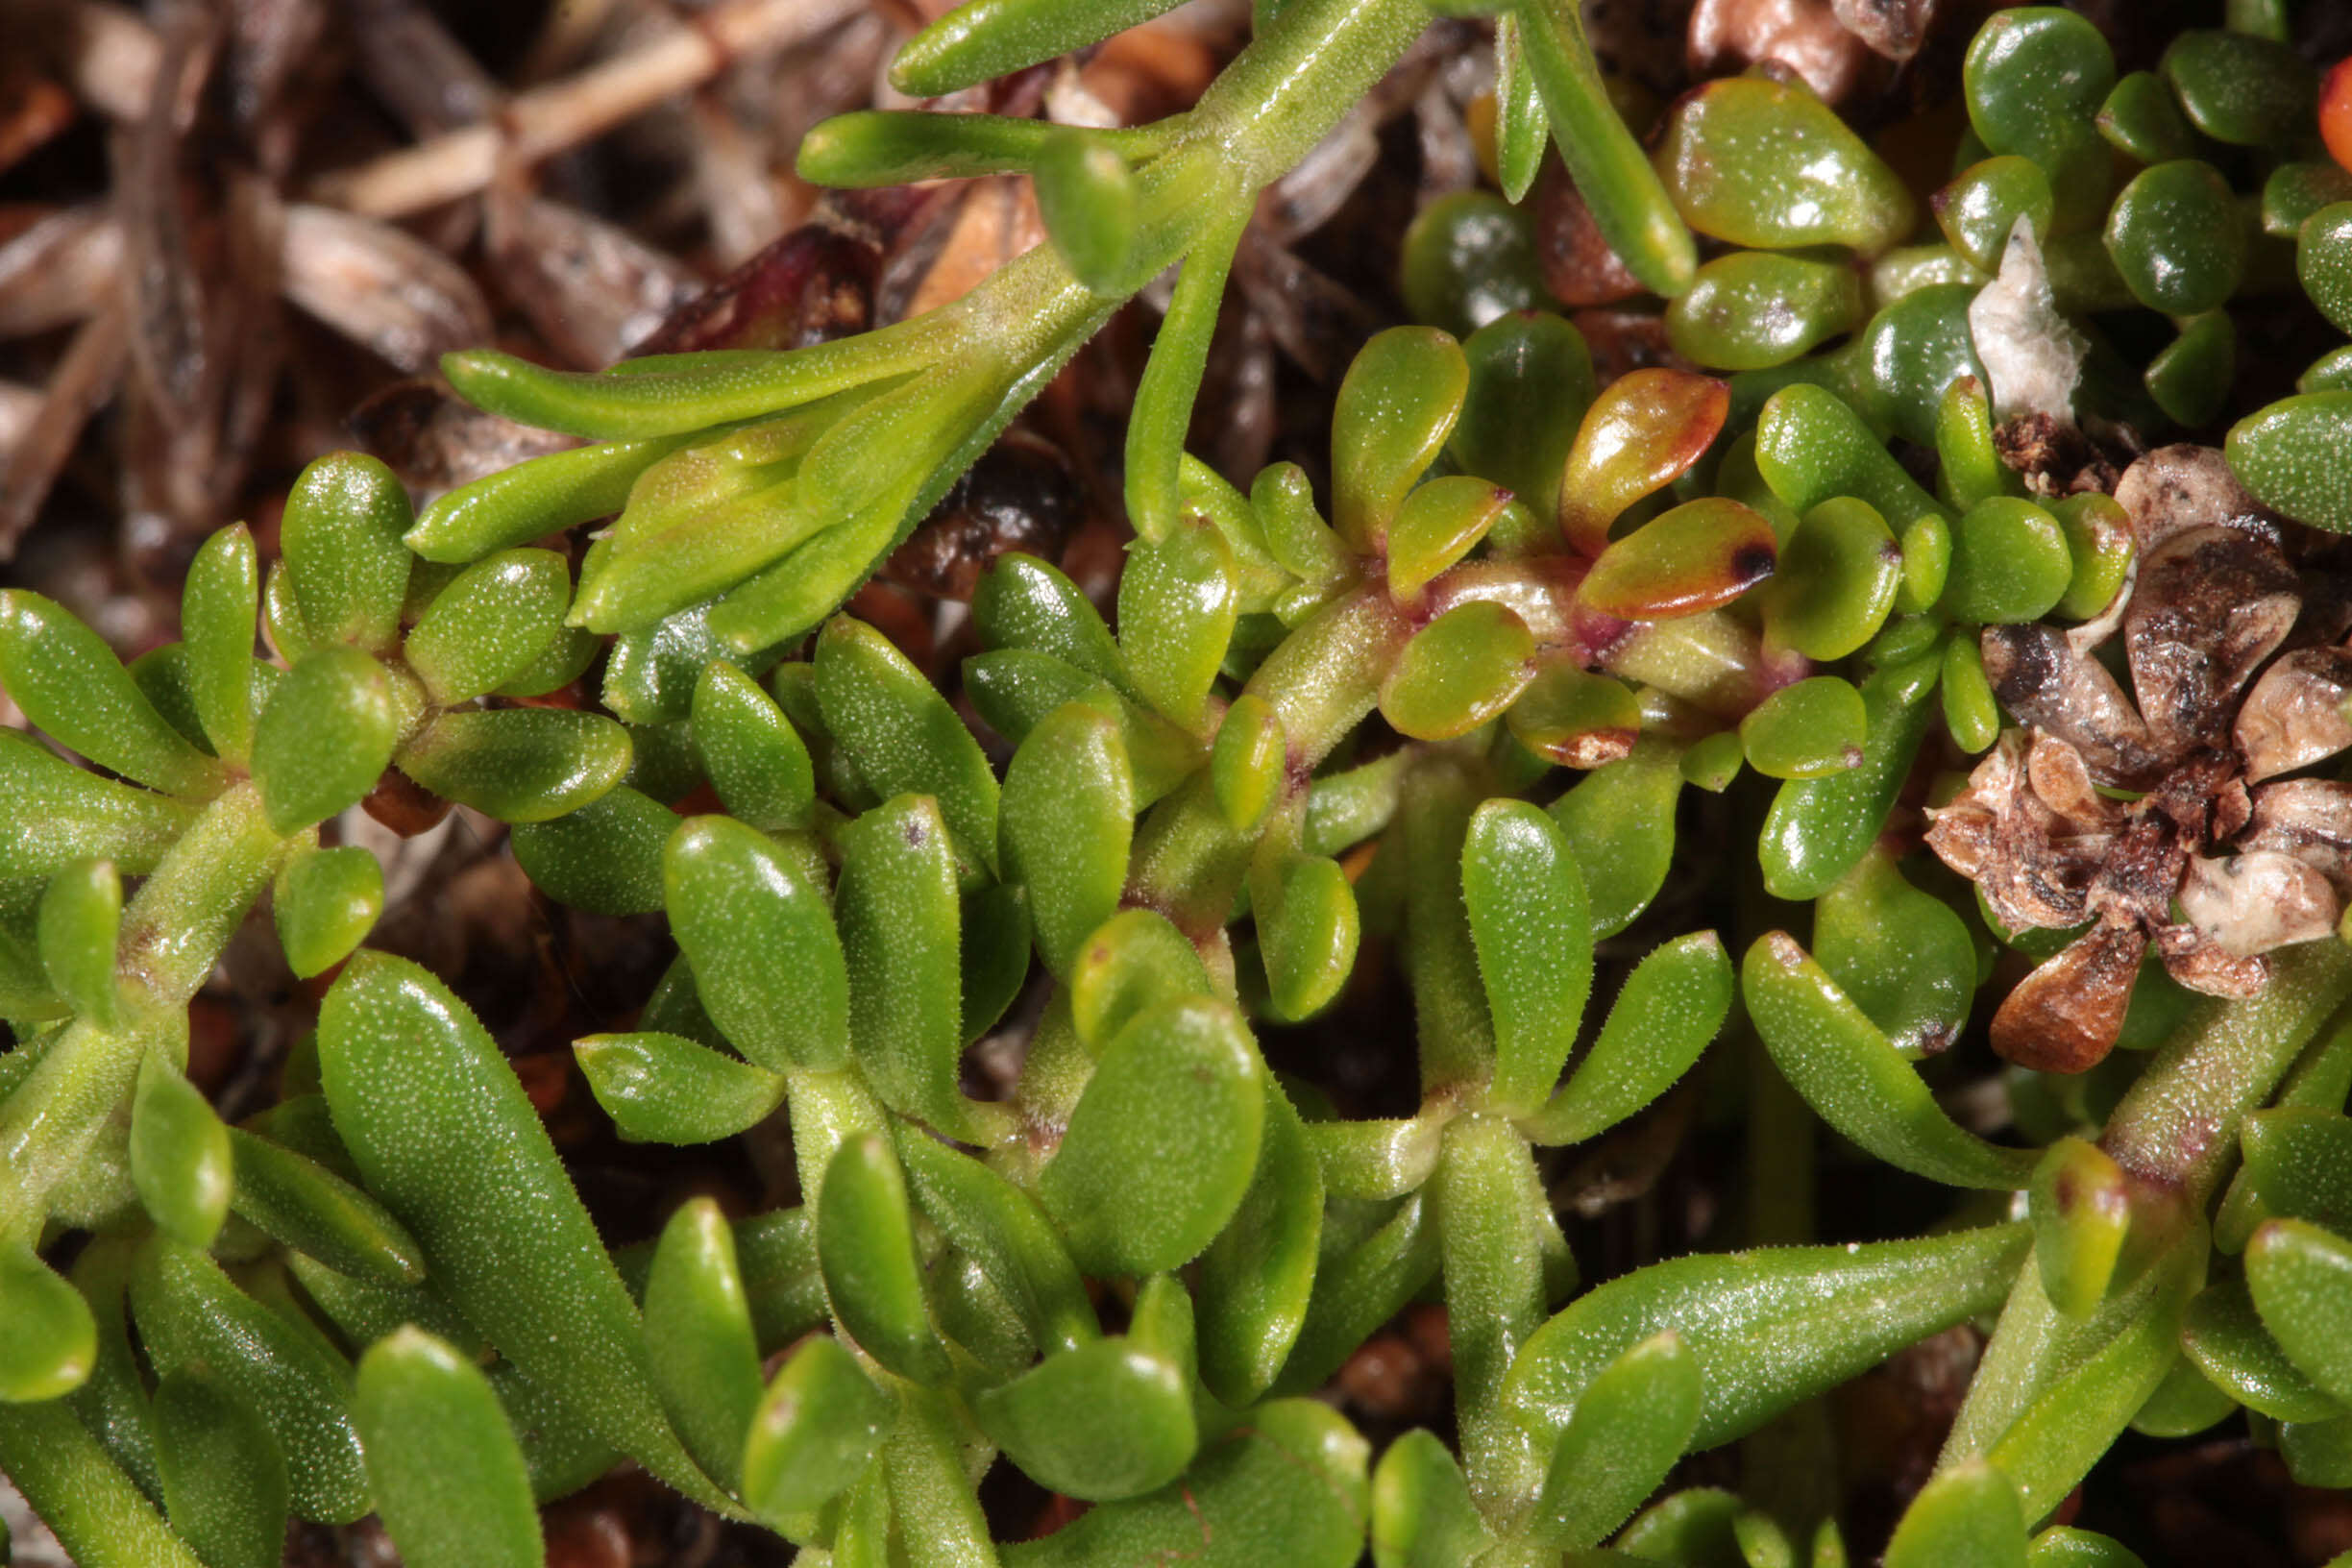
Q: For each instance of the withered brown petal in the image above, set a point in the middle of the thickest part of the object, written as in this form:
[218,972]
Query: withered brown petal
[1999,834]
[2064,1016]
[2210,604]
[2309,818]
[2251,902]
[2062,780]
[2294,715]
[2040,680]
[2176,488]
[2197,962]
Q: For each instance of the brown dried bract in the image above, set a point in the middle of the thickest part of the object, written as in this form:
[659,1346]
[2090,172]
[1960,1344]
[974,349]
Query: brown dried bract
[2213,717]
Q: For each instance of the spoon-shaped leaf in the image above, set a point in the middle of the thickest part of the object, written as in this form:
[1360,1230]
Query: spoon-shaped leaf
[899,917]
[2224,1339]
[755,759]
[1644,428]
[662,1089]
[69,683]
[519,765]
[1673,1005]
[52,1340]
[817,1426]
[219,612]
[1846,1069]
[698,1340]
[902,734]
[488,625]
[1005,1230]
[768,965]
[1422,1515]
[79,923]
[1398,403]
[323,737]
[1529,921]
[449,1481]
[1106,1420]
[1163,1141]
[302,1203]
[1966,1517]
[325,902]
[2301,1278]
[1699,557]
[180,1154]
[1068,814]
[1256,1277]
[346,567]
[1631,1424]
[1459,671]
[865,1247]
[2080,1204]
[223,1480]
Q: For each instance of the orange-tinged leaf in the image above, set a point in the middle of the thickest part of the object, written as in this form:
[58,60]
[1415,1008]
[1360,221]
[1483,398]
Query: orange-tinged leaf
[1643,430]
[1701,555]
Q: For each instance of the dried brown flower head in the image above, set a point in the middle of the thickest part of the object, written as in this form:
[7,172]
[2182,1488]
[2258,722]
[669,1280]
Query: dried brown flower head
[2191,755]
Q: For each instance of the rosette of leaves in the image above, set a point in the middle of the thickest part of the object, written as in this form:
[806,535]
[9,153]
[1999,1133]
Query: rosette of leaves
[757,489]
[227,767]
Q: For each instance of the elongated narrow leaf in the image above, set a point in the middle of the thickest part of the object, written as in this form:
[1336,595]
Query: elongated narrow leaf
[223,1480]
[1177,607]
[2224,1339]
[344,560]
[866,1247]
[899,919]
[449,1481]
[1362,1288]
[79,924]
[1068,819]
[766,961]
[905,737]
[1631,1424]
[1023,602]
[698,1336]
[1107,1420]
[1672,1004]
[96,1510]
[69,683]
[444,1134]
[1529,922]
[2080,1204]
[755,759]
[1258,1275]
[665,1089]
[190,1316]
[1836,1058]
[1163,1144]
[519,765]
[54,813]
[180,1154]
[1770,1327]
[219,614]
[310,1209]
[818,1424]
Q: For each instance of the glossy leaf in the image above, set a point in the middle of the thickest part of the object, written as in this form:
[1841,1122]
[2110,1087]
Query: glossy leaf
[605,858]
[190,1315]
[1767,164]
[1087,197]
[97,1512]
[2226,1339]
[1248,762]
[1619,823]
[70,684]
[1839,575]
[661,1088]
[1529,920]
[1131,961]
[444,1134]
[902,734]
[866,1247]
[1163,1144]
[79,923]
[1459,671]
[698,1340]
[1107,1420]
[1398,403]
[2034,80]
[449,1479]
[1826,1311]
[52,1343]
[1257,1276]
[325,902]
[519,765]
[1530,382]
[767,963]
[323,737]
[1068,816]
[346,567]
[180,1155]
[1699,557]
[56,813]
[1984,203]
[1753,309]
[817,1427]
[2301,1279]
[1442,522]
[1177,604]
[1812,730]
[1671,1007]
[1631,1424]
[1812,447]
[1967,1516]
[2080,1204]
[1469,261]
[224,1482]
[2177,237]
[1818,829]
[489,624]
[219,613]
[1902,956]
[300,1202]
[2288,455]
[2240,89]
[1644,428]
[1836,1058]
[1007,1233]
[899,917]
[1575,716]
[1307,937]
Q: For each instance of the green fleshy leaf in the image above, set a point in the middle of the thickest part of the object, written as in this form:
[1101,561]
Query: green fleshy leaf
[1422,1513]
[323,737]
[346,567]
[1398,403]
[70,684]
[1838,577]
[2064,1547]
[899,919]
[1631,1424]
[818,1425]
[1066,819]
[1024,602]
[1529,920]
[767,963]
[219,613]
[302,1203]
[519,765]
[1766,164]
[2298,1274]
[1966,1517]
[1673,1005]
[1812,730]
[755,759]
[1177,607]
[97,1512]
[866,1247]
[78,923]
[449,1481]
[444,1134]
[605,858]
[1836,1058]
[325,901]
[51,813]
[662,1089]
[1162,1146]
[902,734]
[2224,1339]
[1248,762]
[1618,822]
[190,1316]
[488,625]
[1307,937]
[1901,955]
[1819,829]
[1007,1234]
[1107,1420]
[1256,1277]
[1459,671]
[52,1343]
[2080,1204]
[698,1338]
[180,1156]
[1087,197]
[1131,961]
[991,37]
[224,1482]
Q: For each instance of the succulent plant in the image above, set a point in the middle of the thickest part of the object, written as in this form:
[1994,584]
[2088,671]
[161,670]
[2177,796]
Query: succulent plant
[1470,737]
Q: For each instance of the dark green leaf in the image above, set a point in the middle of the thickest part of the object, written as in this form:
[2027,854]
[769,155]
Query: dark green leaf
[519,765]
[223,1480]
[698,1338]
[662,1089]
